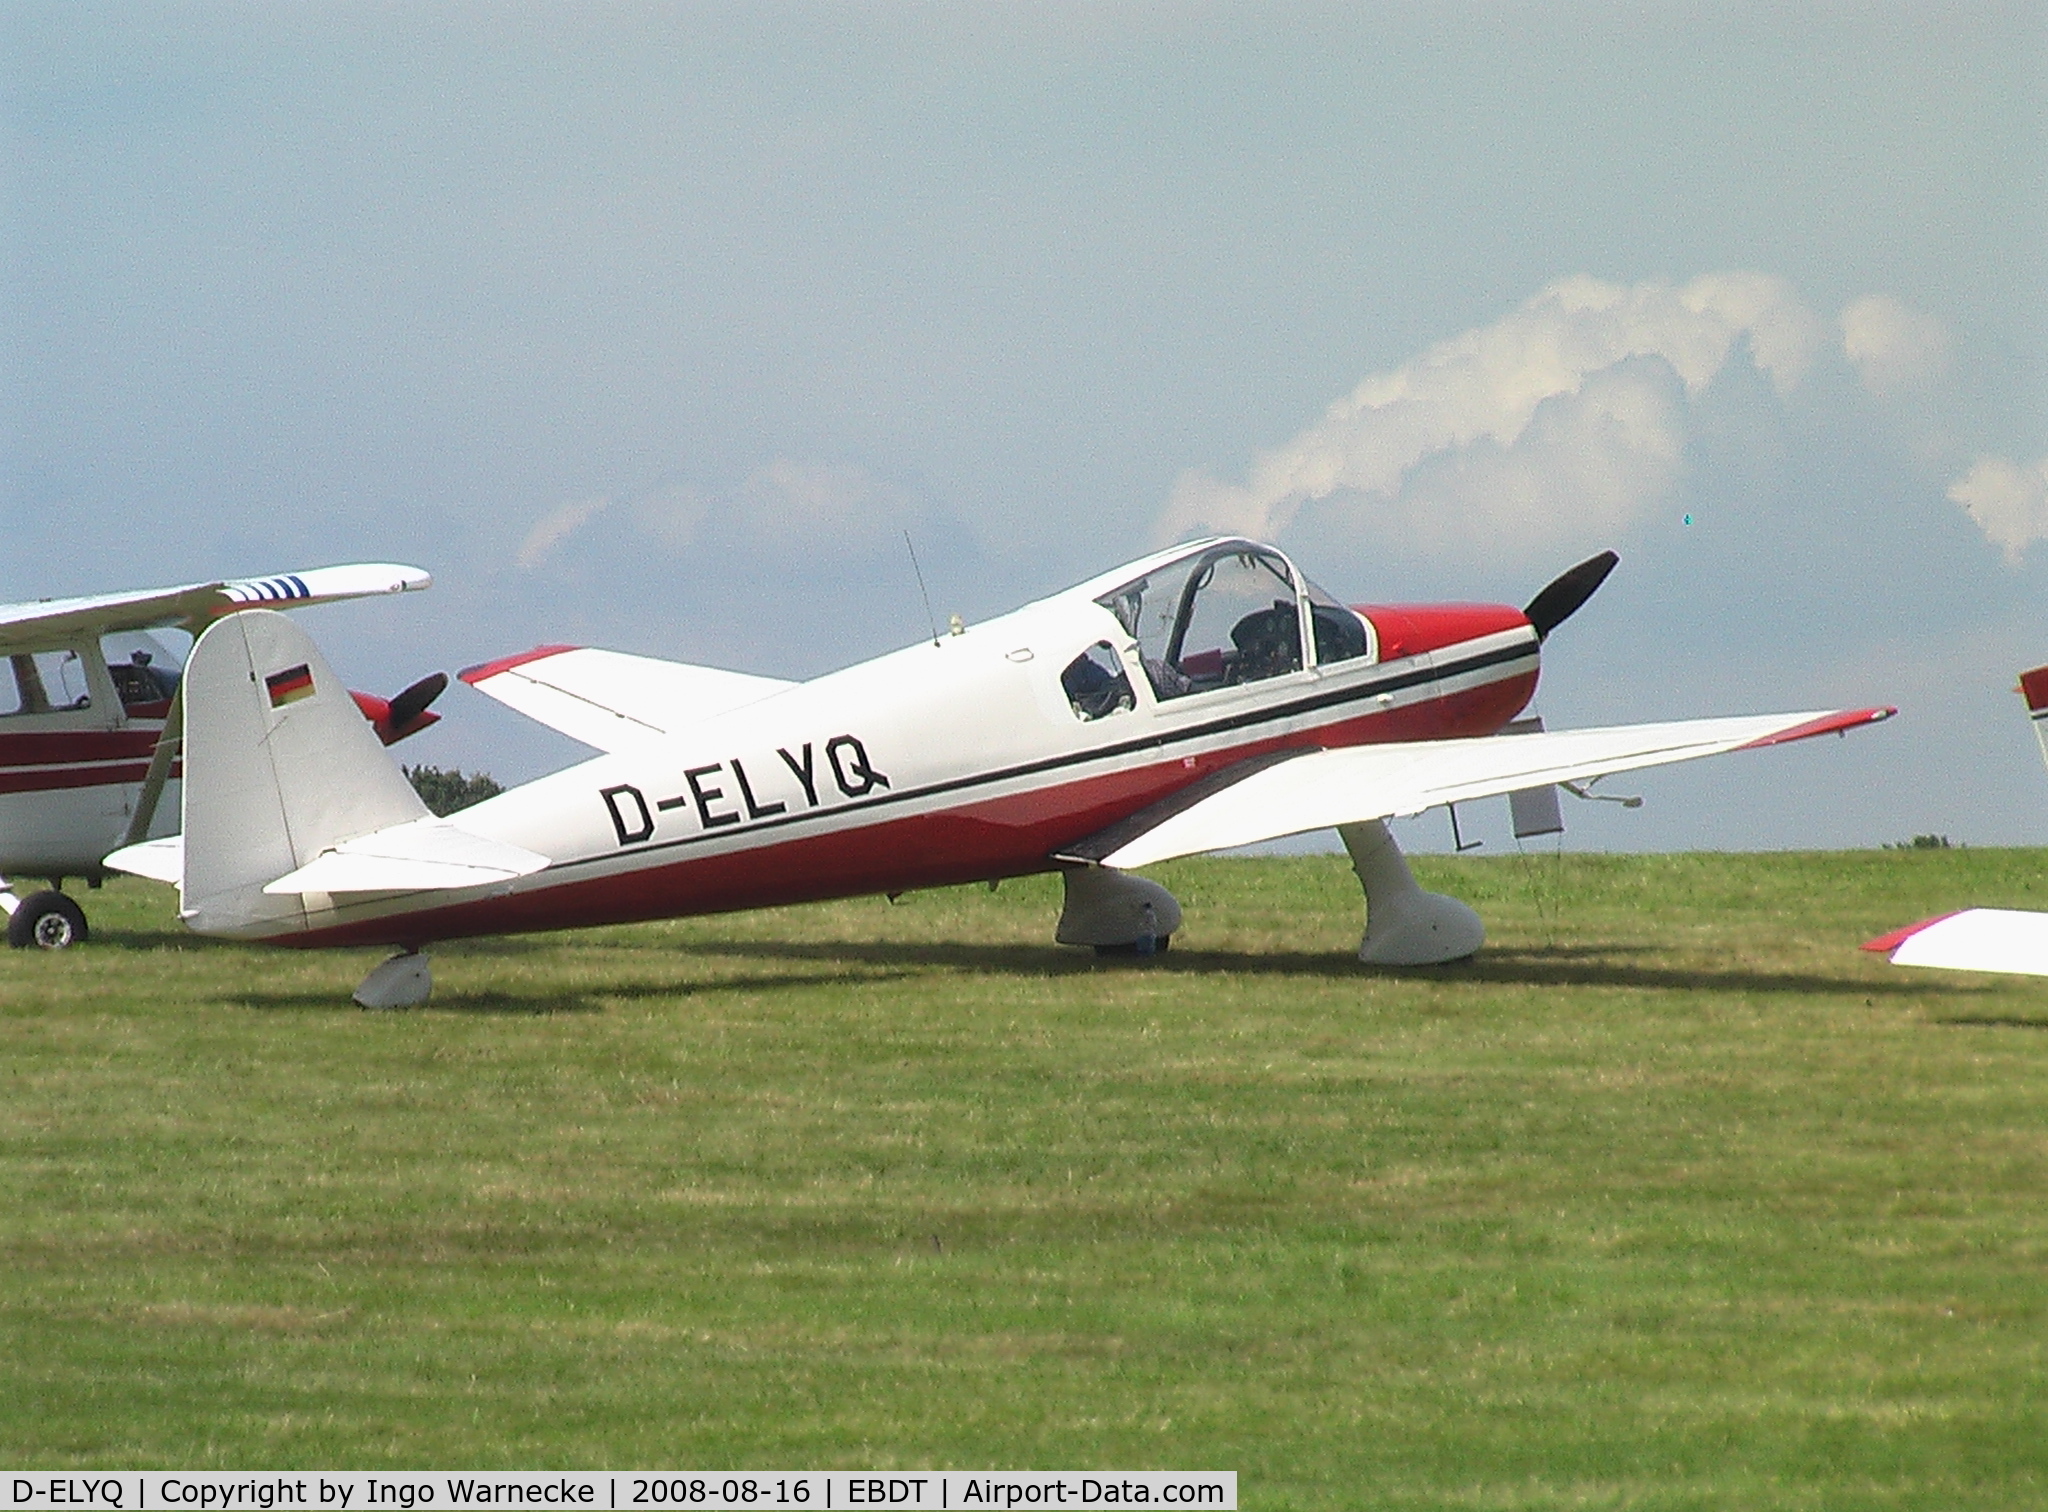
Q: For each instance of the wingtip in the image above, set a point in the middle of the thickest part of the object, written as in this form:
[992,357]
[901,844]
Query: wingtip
[1885,944]
[1837,723]
[482,670]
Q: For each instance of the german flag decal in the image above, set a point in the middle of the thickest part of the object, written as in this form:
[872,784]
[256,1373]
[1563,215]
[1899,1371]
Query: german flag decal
[290,685]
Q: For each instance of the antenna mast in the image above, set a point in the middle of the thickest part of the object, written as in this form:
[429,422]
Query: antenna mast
[929,618]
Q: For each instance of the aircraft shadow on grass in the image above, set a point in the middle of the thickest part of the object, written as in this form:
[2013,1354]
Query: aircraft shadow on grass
[812,963]
[1562,966]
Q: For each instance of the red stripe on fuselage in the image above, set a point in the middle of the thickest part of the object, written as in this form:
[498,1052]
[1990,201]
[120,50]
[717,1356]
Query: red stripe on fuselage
[50,779]
[69,747]
[1010,835]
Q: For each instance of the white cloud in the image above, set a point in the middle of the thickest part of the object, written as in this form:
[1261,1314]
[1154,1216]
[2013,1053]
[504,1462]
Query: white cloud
[555,527]
[1588,458]
[2008,500]
[1451,441]
[821,497]
[1894,347]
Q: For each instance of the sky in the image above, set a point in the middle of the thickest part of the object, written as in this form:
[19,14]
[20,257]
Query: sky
[659,327]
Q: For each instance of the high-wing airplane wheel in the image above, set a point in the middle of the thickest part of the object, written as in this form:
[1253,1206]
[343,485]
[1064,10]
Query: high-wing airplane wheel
[48,921]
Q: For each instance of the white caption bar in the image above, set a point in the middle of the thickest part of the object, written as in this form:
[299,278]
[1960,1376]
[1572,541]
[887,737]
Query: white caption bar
[662,1490]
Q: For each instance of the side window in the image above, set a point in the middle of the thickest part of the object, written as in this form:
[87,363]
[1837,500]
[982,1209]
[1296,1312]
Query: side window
[43,682]
[145,672]
[1340,634]
[1095,683]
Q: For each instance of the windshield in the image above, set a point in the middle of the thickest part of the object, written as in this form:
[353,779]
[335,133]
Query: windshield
[1340,632]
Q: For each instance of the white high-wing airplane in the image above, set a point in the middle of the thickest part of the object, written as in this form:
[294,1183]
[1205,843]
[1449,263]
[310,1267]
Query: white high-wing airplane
[2009,940]
[86,693]
[1203,697]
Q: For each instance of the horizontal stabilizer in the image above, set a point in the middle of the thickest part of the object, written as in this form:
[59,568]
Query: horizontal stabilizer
[1323,789]
[159,860]
[610,700]
[1977,939]
[422,856]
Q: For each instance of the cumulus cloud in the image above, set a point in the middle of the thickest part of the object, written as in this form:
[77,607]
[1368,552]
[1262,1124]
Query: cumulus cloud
[1895,348]
[2008,500]
[555,527]
[1569,412]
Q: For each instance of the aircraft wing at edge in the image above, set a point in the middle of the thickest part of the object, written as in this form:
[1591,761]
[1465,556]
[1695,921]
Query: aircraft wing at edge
[610,700]
[195,605]
[2010,940]
[1292,794]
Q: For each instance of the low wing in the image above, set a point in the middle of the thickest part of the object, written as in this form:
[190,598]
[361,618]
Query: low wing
[1290,795]
[196,605]
[1977,939]
[610,700]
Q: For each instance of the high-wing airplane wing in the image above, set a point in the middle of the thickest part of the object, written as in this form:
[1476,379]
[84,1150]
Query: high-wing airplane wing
[196,605]
[1283,795]
[611,700]
[1977,939]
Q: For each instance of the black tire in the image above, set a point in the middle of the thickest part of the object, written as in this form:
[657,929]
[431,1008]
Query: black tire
[48,921]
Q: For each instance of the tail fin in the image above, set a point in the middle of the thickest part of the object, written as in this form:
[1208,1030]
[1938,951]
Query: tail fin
[2034,689]
[280,765]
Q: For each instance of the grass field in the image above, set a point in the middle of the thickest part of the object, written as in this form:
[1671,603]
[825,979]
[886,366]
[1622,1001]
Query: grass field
[1672,1198]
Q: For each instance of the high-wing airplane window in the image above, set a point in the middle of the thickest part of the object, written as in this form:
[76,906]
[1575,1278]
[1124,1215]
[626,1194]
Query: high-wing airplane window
[1095,683]
[1339,632]
[43,682]
[145,672]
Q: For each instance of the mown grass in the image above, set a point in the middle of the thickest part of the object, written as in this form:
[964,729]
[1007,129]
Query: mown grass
[1671,1199]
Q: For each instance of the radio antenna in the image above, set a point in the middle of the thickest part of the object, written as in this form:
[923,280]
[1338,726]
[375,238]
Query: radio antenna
[929,618]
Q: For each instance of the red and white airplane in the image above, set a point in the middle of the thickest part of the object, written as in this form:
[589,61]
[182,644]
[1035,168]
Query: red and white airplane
[2009,940]
[1203,697]
[86,694]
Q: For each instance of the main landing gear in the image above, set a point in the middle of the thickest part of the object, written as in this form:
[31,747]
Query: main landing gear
[1405,926]
[46,920]
[1115,912]
[1122,914]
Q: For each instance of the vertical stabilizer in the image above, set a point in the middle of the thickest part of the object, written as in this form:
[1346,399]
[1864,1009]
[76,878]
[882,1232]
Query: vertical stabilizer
[2034,689]
[280,765]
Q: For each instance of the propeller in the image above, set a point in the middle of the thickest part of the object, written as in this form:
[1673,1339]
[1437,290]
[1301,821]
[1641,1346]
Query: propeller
[1562,598]
[412,703]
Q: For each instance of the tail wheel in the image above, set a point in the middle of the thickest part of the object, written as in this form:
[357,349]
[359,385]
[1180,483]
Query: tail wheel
[48,921]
